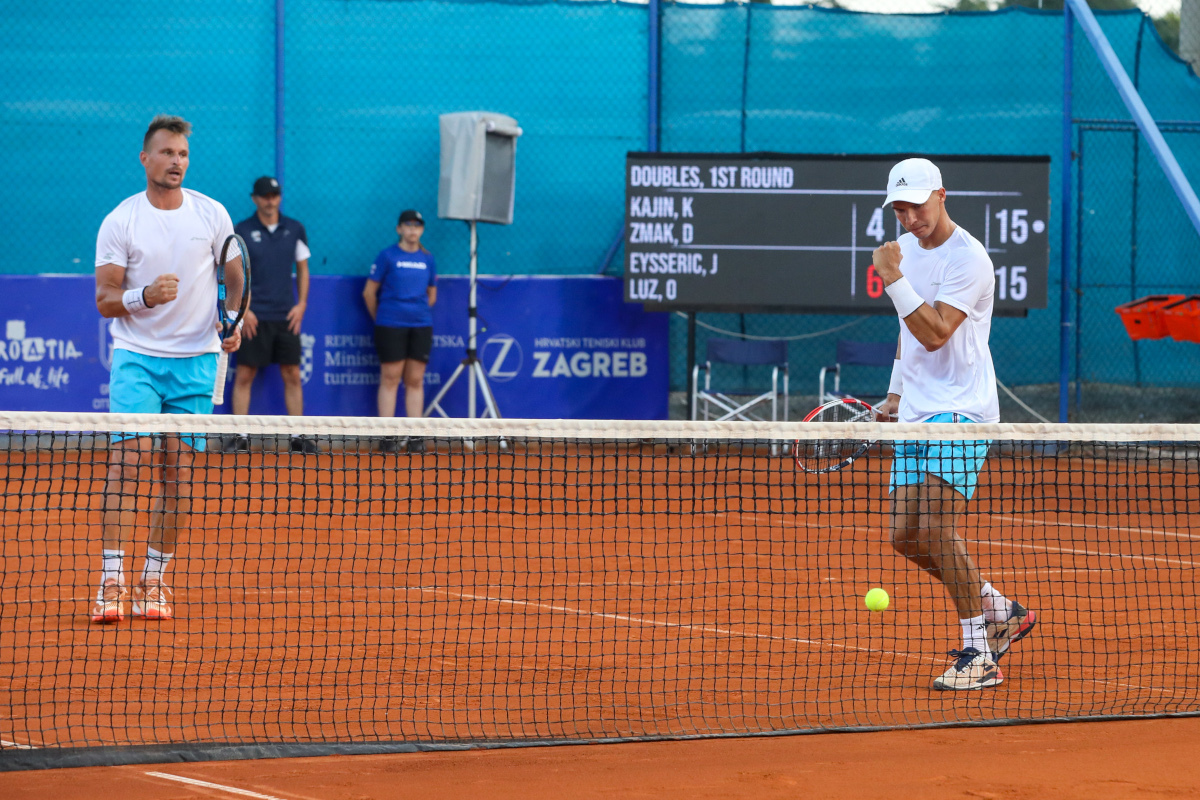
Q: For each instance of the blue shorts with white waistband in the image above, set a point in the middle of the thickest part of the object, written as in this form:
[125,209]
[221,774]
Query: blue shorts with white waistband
[142,384]
[957,462]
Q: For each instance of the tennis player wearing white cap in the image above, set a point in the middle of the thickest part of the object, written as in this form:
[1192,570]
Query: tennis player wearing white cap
[941,282]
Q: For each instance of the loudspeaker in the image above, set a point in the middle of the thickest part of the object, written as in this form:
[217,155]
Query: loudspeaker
[477,180]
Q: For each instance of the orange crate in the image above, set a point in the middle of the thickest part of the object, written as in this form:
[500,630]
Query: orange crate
[1182,319]
[1142,318]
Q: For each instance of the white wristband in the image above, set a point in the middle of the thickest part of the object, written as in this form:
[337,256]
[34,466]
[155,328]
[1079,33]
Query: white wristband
[896,385]
[904,297]
[134,300]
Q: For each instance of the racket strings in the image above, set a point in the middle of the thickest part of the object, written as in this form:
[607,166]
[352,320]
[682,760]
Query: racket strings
[828,455]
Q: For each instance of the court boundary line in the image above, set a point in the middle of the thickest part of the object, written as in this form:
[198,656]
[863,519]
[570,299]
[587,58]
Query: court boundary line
[209,785]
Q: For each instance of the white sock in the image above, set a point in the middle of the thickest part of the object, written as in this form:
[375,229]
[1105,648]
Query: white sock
[156,563]
[996,607]
[975,634]
[113,566]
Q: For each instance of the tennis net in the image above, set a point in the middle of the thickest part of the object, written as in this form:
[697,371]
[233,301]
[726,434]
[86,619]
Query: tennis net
[441,583]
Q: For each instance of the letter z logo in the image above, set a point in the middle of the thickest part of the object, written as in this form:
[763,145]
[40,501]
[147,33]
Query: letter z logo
[502,357]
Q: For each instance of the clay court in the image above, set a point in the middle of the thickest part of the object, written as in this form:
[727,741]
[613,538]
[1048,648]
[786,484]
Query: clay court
[559,592]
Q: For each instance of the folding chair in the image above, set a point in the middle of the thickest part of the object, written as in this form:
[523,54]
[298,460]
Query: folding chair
[742,403]
[860,354]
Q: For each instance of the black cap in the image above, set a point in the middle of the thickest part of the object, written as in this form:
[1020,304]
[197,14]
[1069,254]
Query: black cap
[410,215]
[266,186]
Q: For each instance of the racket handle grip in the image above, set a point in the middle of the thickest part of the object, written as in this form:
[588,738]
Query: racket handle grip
[218,395]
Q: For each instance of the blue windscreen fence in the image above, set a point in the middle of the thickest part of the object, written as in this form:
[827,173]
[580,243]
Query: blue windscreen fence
[365,81]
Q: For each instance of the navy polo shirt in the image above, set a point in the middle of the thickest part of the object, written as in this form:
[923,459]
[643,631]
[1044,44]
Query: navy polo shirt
[272,254]
[404,278]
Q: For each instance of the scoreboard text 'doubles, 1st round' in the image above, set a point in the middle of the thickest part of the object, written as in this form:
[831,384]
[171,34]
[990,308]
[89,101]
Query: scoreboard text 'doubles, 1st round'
[768,232]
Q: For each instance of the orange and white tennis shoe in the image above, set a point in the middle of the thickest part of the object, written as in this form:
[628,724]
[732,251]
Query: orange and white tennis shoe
[110,603]
[971,670]
[151,599]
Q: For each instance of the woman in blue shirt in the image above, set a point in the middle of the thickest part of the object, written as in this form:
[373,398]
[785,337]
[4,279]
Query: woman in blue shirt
[400,294]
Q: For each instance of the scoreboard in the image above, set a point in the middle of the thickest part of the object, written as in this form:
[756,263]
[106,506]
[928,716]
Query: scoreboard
[795,233]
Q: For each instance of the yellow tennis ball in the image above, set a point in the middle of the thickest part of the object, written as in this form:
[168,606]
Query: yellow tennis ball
[876,599]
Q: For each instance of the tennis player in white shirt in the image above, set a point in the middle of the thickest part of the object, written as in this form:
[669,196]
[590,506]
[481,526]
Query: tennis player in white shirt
[942,283]
[156,257]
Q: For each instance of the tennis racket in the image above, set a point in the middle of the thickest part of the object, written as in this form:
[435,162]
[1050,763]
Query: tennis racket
[819,456]
[233,292]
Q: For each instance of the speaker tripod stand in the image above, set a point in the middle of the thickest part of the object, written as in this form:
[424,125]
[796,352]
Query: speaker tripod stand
[471,364]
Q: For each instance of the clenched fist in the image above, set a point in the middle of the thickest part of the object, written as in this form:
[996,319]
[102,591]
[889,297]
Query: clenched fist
[887,258]
[164,289]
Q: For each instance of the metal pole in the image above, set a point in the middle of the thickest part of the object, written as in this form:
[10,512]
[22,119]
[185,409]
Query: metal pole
[653,38]
[1064,377]
[471,326]
[746,70]
[1137,109]
[691,358]
[279,86]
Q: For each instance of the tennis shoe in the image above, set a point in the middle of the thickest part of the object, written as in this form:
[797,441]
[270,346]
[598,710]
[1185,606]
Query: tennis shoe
[151,599]
[971,670]
[1002,635]
[110,603]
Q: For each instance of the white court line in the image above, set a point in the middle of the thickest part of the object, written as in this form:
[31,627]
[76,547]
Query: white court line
[876,529]
[681,625]
[727,632]
[1043,571]
[1156,559]
[1151,531]
[217,786]
[16,745]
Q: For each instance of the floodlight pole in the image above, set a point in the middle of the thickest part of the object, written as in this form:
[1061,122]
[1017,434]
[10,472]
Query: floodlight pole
[472,364]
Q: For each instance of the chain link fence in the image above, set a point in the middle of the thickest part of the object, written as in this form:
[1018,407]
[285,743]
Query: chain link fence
[823,80]
[365,81]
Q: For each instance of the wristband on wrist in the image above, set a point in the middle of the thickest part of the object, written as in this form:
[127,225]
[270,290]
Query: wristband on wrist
[904,297]
[134,300]
[896,385]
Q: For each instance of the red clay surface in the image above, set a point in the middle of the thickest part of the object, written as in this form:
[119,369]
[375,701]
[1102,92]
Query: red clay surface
[567,593]
[1077,761]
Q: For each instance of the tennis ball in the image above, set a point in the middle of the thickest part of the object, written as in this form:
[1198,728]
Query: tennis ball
[876,599]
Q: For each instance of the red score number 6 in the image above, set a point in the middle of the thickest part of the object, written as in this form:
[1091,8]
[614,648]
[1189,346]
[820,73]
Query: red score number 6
[874,282]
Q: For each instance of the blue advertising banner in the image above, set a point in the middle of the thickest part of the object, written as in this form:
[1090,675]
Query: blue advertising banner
[551,347]
[56,350]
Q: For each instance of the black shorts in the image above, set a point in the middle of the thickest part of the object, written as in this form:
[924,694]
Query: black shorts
[273,343]
[399,344]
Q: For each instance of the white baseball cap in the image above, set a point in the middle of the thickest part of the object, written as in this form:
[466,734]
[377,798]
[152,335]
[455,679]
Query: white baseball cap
[912,181]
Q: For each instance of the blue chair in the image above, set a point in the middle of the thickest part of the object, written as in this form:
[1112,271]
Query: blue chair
[741,403]
[859,354]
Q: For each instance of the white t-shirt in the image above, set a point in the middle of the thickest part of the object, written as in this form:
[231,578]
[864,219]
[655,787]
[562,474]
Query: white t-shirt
[958,377]
[149,242]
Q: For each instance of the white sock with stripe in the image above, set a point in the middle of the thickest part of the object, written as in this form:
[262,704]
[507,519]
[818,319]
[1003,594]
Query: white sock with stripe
[156,563]
[112,567]
[975,634]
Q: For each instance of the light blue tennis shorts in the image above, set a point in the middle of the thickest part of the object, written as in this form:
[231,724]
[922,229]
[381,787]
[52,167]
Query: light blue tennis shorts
[956,462]
[141,384]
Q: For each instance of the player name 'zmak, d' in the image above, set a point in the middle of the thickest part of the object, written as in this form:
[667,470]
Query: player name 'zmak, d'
[652,233]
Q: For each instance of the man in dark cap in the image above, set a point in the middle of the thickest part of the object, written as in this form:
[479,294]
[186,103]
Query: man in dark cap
[271,334]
